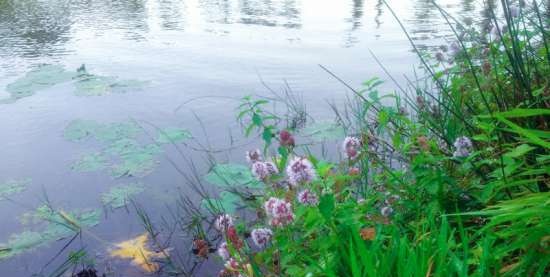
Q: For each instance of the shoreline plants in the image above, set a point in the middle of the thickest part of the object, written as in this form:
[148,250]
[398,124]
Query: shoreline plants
[449,177]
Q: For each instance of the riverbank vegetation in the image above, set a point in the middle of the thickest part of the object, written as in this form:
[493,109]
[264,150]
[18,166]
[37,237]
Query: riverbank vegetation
[448,176]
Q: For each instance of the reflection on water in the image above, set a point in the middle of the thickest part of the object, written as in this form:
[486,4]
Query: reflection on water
[208,51]
[34,28]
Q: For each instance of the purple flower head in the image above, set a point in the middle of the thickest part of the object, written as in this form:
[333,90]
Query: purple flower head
[308,197]
[300,170]
[286,138]
[463,146]
[254,156]
[351,147]
[261,236]
[271,168]
[223,251]
[232,264]
[263,170]
[278,211]
[223,222]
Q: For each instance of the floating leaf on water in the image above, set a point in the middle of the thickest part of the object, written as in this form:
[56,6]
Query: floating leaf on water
[134,159]
[19,243]
[116,131]
[225,175]
[324,131]
[42,77]
[173,135]
[11,187]
[95,85]
[80,129]
[57,225]
[138,253]
[119,196]
[227,202]
[90,162]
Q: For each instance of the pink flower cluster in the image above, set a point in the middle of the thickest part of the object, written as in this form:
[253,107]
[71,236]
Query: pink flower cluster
[263,170]
[278,211]
[286,139]
[299,171]
[351,147]
[253,156]
[223,251]
[261,236]
[223,222]
[308,197]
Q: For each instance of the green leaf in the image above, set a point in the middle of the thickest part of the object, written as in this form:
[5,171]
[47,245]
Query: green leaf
[326,206]
[119,196]
[40,78]
[228,175]
[94,85]
[532,137]
[12,187]
[257,119]
[173,135]
[520,113]
[519,151]
[55,226]
[267,136]
[227,202]
[90,162]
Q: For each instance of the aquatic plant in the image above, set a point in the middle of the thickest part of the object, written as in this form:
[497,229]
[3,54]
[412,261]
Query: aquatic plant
[120,195]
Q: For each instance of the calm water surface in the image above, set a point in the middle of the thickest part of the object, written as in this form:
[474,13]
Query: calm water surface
[198,56]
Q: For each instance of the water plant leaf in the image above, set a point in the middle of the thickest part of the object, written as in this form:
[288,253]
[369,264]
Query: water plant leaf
[172,135]
[39,78]
[56,225]
[12,187]
[90,162]
[227,202]
[80,129]
[134,159]
[94,85]
[324,131]
[138,253]
[119,196]
[226,175]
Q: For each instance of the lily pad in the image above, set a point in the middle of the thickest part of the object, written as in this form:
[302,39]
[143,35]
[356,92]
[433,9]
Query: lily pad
[90,162]
[119,196]
[42,77]
[173,135]
[134,159]
[227,202]
[322,131]
[94,85]
[12,187]
[226,175]
[80,129]
[55,226]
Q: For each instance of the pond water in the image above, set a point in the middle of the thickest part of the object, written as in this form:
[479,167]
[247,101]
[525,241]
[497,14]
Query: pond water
[176,64]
